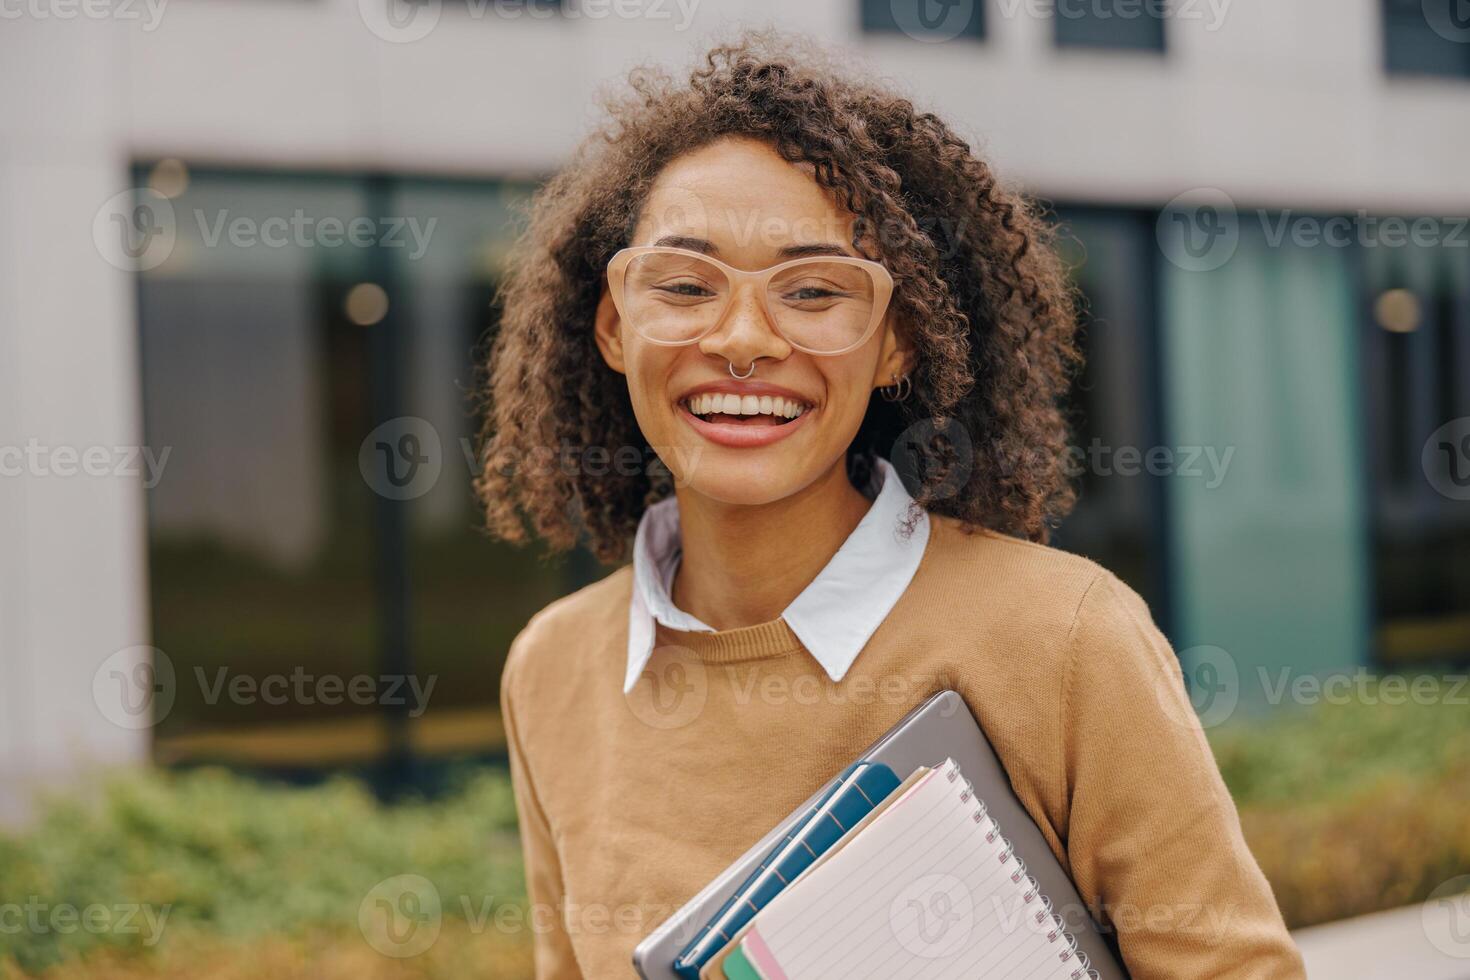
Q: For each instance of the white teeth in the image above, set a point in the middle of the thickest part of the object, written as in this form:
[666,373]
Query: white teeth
[731,404]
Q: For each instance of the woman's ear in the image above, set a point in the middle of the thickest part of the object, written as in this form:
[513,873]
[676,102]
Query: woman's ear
[607,328]
[896,357]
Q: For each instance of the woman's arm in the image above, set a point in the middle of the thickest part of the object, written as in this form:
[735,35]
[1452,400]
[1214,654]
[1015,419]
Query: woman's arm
[1152,833]
[554,957]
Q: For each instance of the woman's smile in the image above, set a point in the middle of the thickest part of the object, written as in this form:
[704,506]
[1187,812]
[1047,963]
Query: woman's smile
[743,414]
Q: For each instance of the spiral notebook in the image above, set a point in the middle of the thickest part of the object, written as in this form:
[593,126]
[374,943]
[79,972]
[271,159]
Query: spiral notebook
[940,728]
[930,888]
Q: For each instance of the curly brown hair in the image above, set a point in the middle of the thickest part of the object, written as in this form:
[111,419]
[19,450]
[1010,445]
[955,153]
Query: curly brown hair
[980,293]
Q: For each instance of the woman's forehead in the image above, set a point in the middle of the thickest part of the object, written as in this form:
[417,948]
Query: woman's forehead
[745,199]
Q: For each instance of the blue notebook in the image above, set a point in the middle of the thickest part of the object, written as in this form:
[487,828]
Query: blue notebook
[860,788]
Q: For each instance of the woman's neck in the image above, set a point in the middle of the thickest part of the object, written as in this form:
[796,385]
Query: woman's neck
[743,565]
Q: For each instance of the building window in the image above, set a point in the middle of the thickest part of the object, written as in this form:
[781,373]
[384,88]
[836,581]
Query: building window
[925,20]
[1427,37]
[1119,518]
[1415,362]
[316,517]
[1127,25]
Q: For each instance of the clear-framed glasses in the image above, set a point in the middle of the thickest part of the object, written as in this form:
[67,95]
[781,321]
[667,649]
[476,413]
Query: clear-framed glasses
[819,304]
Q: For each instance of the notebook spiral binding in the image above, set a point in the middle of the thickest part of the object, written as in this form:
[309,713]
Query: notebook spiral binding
[1058,932]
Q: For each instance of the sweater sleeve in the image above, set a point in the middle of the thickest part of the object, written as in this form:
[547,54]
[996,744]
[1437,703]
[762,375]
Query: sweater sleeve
[554,958]
[1152,835]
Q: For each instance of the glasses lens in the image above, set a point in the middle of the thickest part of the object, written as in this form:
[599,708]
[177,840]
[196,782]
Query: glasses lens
[673,298]
[823,306]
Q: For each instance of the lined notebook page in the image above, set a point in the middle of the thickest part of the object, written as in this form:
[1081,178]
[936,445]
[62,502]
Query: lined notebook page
[929,889]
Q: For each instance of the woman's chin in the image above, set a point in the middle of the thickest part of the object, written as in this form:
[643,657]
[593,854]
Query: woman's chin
[746,478]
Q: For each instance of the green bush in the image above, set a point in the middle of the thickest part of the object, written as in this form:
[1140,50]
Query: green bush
[1354,807]
[1349,808]
[236,858]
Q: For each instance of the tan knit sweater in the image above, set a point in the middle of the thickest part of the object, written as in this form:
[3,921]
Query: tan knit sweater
[630,804]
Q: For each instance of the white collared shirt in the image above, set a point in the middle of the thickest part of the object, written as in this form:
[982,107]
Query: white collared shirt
[833,617]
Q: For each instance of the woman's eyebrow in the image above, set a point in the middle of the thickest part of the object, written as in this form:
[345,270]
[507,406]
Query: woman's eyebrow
[815,248]
[692,244]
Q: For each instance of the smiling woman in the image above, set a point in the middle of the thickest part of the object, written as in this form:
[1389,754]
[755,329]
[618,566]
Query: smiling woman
[723,279]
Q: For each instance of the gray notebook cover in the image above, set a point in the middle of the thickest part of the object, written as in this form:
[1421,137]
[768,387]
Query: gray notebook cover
[941,727]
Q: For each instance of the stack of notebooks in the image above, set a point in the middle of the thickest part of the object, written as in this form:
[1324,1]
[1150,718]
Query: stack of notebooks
[886,877]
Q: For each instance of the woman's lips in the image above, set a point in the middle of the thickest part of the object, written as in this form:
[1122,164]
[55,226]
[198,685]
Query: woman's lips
[744,435]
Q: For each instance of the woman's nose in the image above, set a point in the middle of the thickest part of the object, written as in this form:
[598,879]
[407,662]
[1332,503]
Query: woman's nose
[745,333]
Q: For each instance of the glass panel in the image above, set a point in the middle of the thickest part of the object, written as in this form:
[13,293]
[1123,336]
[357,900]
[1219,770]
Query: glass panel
[1427,37]
[1117,24]
[303,335]
[259,531]
[1260,362]
[926,20]
[1118,517]
[1416,377]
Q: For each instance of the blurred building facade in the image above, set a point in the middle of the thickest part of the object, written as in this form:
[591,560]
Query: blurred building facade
[1270,430]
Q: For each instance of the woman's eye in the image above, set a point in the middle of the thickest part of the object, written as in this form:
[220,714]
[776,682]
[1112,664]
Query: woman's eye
[690,290]
[812,294]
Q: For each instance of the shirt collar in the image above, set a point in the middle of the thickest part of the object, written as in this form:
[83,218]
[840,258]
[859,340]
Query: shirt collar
[833,617]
